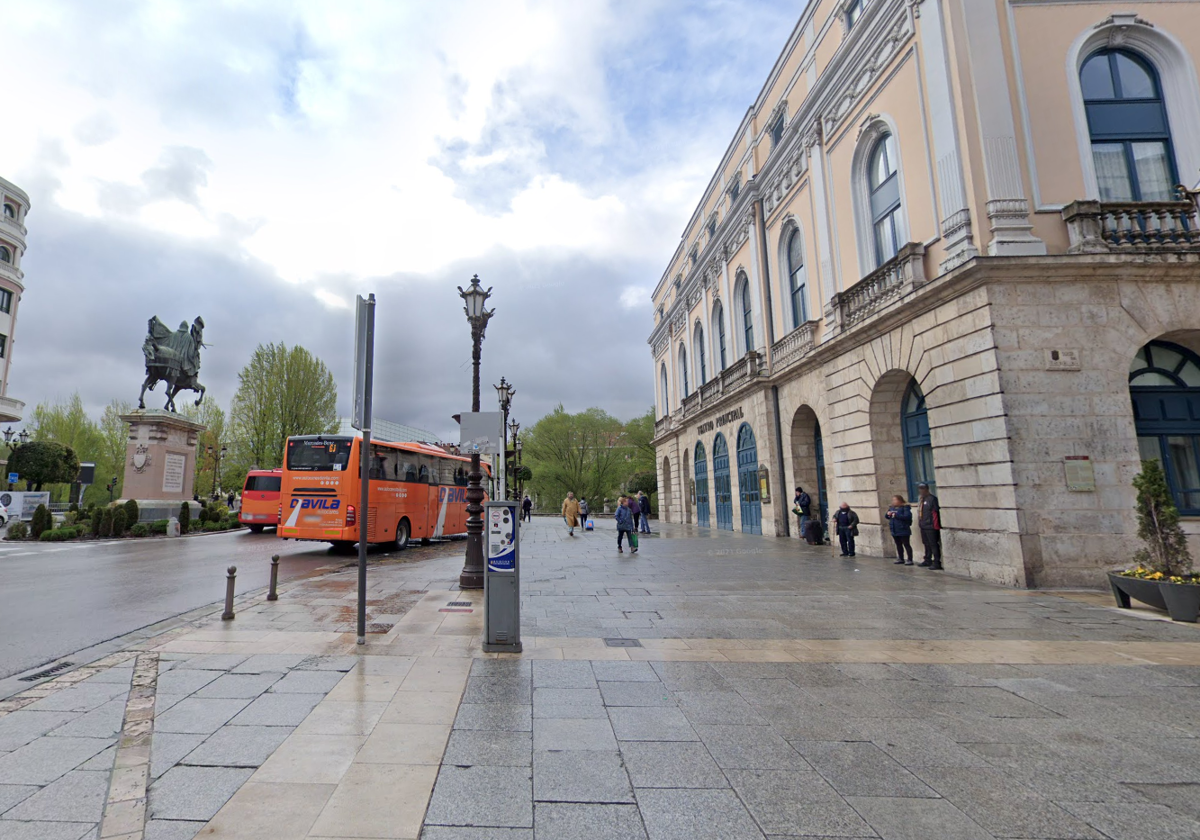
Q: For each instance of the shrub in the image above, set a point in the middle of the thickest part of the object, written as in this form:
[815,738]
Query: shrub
[139,529]
[217,512]
[120,522]
[58,535]
[42,521]
[131,512]
[1165,548]
[18,531]
[73,508]
[212,526]
[106,522]
[97,516]
[158,526]
[185,517]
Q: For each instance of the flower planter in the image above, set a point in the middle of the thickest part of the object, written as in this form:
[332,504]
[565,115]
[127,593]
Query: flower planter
[1180,600]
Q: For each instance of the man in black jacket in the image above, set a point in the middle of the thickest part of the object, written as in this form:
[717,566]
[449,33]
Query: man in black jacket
[845,521]
[929,519]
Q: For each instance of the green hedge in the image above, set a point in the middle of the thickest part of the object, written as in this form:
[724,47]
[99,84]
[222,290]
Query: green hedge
[59,535]
[139,529]
[158,526]
[18,531]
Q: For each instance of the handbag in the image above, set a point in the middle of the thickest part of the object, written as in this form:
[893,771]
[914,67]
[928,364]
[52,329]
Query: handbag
[633,539]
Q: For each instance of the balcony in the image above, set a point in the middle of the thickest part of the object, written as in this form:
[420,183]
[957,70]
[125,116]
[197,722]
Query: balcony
[794,346]
[885,285]
[1139,227]
[11,272]
[11,410]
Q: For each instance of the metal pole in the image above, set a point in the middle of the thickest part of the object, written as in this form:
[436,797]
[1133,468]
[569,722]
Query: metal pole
[365,471]
[230,582]
[273,594]
[472,573]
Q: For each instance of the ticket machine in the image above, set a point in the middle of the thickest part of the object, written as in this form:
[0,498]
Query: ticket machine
[502,578]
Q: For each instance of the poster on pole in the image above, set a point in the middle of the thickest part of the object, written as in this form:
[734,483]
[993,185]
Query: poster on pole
[364,345]
[479,431]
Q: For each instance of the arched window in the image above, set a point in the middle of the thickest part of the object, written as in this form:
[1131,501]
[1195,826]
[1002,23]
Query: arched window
[883,180]
[10,211]
[666,391]
[683,370]
[1164,384]
[698,349]
[918,450]
[5,254]
[719,327]
[1127,122]
[747,314]
[797,283]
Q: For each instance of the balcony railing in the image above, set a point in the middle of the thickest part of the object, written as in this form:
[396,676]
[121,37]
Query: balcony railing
[1099,227]
[891,281]
[690,403]
[660,425]
[793,346]
[11,410]
[739,374]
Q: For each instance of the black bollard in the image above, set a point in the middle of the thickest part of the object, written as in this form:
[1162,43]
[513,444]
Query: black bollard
[230,581]
[273,594]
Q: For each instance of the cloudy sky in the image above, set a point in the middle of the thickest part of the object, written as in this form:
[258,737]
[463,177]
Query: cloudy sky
[261,163]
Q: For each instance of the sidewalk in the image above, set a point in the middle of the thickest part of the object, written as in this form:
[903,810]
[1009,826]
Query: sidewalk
[715,685]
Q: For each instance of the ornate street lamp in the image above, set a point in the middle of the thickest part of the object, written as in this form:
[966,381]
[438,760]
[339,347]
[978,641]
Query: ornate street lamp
[475,307]
[513,427]
[505,393]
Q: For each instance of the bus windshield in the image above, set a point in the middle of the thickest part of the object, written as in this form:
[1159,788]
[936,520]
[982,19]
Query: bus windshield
[319,454]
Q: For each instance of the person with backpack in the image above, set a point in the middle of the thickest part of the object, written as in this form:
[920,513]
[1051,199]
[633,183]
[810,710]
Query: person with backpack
[845,522]
[929,518]
[644,503]
[583,513]
[527,509]
[900,518]
[802,507]
[625,527]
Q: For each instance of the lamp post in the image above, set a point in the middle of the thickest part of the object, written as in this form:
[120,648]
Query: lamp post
[475,307]
[505,393]
[514,427]
[520,475]
[216,455]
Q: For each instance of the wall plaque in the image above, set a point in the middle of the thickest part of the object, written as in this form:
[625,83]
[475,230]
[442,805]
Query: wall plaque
[1080,475]
[174,465]
[1062,360]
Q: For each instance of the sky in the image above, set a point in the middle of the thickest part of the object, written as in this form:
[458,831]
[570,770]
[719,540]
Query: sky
[261,163]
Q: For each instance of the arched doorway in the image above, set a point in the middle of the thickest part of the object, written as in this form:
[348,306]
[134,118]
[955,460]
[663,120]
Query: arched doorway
[888,438]
[701,486]
[918,451]
[748,489]
[664,491]
[688,493]
[722,487]
[808,461]
[1164,385]
[819,459]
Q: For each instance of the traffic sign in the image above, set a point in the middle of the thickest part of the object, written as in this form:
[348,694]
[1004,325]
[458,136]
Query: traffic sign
[13,478]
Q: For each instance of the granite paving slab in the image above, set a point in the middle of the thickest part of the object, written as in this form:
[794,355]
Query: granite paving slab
[172,829]
[500,716]
[786,802]
[498,690]
[750,748]
[238,746]
[580,776]
[1134,821]
[47,830]
[861,769]
[237,686]
[651,723]
[489,747]
[211,662]
[563,821]
[199,716]
[671,764]
[695,815]
[103,722]
[194,793]
[438,832]
[10,795]
[719,707]
[308,682]
[916,819]
[623,671]
[568,734]
[269,663]
[277,710]
[79,796]
[167,749]
[183,681]
[549,673]
[482,796]
[79,698]
[19,728]
[46,759]
[636,694]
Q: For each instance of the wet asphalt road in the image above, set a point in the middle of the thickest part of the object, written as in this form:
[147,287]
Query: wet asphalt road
[56,598]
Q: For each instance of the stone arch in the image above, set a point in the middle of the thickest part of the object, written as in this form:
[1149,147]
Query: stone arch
[887,436]
[664,490]
[805,430]
[686,491]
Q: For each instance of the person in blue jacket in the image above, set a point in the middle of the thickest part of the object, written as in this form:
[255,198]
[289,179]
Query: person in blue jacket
[625,527]
[900,517]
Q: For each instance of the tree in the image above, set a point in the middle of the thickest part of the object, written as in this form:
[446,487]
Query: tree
[584,453]
[110,456]
[281,392]
[215,436]
[42,462]
[66,422]
[1166,547]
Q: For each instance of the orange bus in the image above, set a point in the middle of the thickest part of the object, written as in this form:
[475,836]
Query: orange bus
[417,491]
[260,499]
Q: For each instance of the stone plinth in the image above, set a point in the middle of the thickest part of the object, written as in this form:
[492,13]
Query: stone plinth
[160,461]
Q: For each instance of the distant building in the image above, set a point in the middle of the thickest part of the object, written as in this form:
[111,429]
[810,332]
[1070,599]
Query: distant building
[386,430]
[945,246]
[12,247]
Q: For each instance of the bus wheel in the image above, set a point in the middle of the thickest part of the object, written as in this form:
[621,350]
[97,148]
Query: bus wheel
[255,529]
[402,532]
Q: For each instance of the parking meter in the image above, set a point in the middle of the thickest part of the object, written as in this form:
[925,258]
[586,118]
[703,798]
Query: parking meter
[501,578]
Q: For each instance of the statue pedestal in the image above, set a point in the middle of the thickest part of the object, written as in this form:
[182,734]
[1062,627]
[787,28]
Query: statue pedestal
[160,461]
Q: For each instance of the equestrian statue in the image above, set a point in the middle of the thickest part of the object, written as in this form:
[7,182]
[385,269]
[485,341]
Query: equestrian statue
[174,358]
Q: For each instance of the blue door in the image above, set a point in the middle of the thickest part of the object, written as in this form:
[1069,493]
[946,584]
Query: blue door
[822,495]
[747,460]
[701,486]
[721,485]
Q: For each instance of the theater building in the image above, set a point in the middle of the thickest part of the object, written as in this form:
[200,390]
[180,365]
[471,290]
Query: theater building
[945,244]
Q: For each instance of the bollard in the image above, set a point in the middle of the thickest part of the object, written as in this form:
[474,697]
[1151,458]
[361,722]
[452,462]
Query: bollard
[273,595]
[230,581]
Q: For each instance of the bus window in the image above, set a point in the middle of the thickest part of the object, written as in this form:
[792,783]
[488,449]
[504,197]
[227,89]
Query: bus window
[383,463]
[262,484]
[427,466]
[318,454]
[408,466]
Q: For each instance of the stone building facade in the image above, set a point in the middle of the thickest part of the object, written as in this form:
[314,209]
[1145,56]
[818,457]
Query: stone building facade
[15,205]
[947,243]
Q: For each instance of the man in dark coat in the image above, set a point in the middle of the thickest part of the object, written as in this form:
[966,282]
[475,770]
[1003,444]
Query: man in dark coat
[929,519]
[845,521]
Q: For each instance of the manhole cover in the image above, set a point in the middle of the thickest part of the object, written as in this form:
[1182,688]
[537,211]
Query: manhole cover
[622,643]
[49,672]
[459,604]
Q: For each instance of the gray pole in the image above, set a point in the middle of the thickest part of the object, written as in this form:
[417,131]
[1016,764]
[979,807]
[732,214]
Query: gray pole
[230,583]
[273,594]
[365,469]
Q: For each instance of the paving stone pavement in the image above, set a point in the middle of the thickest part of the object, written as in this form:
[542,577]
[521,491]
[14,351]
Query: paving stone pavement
[773,690]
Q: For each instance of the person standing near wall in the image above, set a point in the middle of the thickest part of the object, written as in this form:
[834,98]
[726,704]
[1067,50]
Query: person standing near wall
[636,510]
[845,521]
[929,519]
[644,504]
[802,507]
[900,519]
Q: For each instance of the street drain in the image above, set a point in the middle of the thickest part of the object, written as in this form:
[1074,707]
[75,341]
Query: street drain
[459,604]
[49,672]
[622,643]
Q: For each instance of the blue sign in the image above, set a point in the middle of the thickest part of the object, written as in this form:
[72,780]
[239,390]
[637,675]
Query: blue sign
[13,478]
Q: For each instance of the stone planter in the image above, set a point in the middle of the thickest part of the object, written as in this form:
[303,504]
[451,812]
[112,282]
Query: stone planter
[1180,600]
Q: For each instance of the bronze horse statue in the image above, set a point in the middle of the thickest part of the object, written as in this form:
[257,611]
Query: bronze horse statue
[173,357]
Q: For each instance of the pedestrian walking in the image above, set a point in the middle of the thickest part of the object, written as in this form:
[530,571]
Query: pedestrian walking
[625,527]
[644,504]
[929,520]
[230,499]
[900,517]
[527,509]
[845,521]
[635,509]
[583,511]
[570,512]
[802,507]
